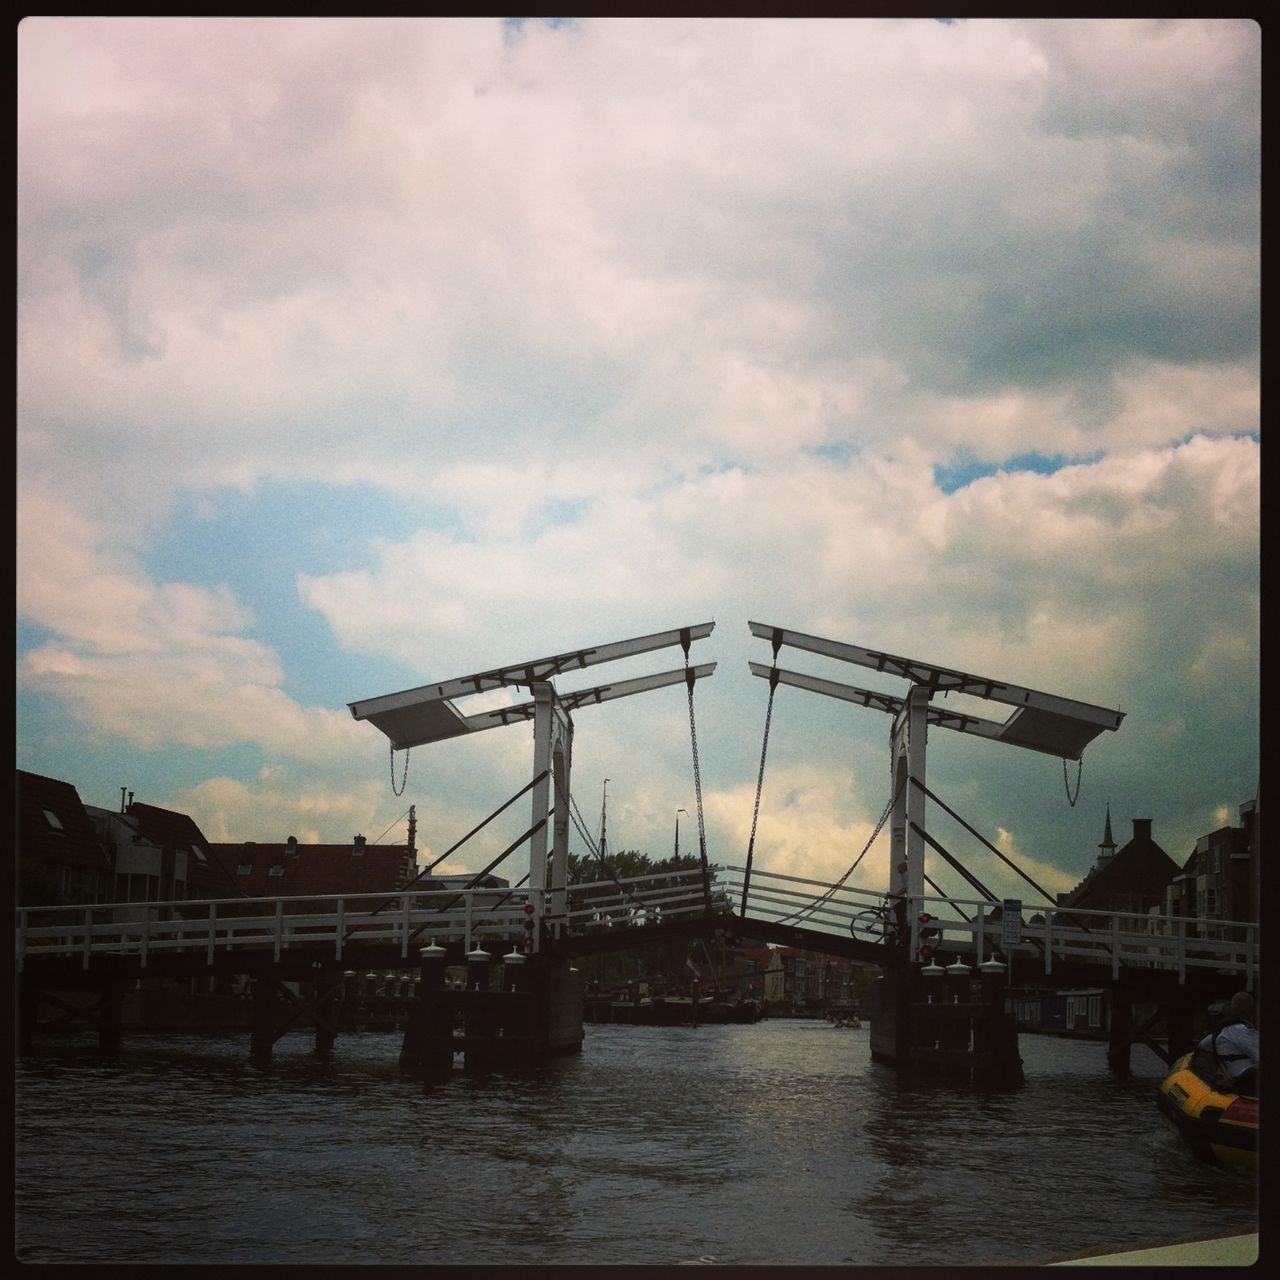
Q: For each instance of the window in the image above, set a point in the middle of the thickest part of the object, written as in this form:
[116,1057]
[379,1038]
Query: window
[195,848]
[244,869]
[53,820]
[277,869]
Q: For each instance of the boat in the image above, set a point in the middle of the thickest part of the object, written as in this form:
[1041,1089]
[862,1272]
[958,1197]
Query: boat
[1199,1102]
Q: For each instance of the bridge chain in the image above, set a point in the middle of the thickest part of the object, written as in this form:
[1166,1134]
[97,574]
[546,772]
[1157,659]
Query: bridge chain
[828,894]
[404,778]
[1071,799]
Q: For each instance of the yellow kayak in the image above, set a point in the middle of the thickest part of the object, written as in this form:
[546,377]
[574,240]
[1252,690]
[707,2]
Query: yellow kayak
[1197,1101]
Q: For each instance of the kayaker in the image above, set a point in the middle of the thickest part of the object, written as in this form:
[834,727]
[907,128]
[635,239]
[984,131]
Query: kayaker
[1235,1045]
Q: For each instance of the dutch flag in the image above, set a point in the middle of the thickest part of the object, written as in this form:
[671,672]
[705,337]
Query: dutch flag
[692,967]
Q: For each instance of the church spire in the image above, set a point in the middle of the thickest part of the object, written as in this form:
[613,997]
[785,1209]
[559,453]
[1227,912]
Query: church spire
[1108,845]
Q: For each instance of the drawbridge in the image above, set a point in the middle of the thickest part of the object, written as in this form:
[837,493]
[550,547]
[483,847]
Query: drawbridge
[904,927]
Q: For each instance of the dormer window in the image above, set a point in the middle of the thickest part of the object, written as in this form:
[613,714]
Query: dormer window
[53,820]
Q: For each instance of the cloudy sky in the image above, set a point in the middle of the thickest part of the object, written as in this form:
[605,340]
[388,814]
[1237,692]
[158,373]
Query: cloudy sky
[355,355]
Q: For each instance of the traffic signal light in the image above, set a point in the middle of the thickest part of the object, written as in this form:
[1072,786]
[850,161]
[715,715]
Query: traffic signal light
[928,934]
[528,926]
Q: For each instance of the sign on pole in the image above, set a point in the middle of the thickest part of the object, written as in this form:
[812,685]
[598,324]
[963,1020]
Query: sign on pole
[1011,922]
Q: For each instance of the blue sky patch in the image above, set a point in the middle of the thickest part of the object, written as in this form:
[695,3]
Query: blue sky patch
[841,451]
[257,543]
[560,512]
[965,471]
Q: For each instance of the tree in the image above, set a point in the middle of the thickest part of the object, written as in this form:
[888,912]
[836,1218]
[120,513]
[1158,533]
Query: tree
[646,958]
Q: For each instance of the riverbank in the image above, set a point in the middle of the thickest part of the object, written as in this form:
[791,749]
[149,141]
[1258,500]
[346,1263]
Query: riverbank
[1222,1251]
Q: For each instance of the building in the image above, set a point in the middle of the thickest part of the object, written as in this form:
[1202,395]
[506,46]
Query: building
[158,855]
[1219,881]
[291,870]
[751,972]
[61,859]
[813,982]
[1130,879]
[74,853]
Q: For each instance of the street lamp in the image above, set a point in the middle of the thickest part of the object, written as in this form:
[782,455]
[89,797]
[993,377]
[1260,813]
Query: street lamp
[678,813]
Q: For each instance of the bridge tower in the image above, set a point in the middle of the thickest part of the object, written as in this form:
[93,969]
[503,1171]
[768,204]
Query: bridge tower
[1039,722]
[427,714]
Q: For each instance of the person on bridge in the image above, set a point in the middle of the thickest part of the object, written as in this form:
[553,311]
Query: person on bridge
[1235,1045]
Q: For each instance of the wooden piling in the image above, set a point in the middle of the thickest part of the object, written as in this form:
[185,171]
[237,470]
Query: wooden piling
[326,1013]
[264,1031]
[28,1013]
[110,1005]
[1120,1036]
[427,1048]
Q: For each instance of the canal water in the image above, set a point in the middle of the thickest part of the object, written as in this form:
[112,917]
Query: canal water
[778,1143]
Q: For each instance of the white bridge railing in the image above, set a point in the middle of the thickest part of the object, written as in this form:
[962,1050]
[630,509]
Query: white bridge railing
[640,900]
[409,920]
[214,926]
[1109,939]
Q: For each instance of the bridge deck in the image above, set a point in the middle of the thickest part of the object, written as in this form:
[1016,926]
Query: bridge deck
[376,931]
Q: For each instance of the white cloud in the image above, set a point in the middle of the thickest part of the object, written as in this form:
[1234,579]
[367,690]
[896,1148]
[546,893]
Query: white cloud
[591,298]
[154,663]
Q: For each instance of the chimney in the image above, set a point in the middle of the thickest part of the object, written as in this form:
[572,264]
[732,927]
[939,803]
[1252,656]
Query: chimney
[357,847]
[291,847]
[121,799]
[1142,828]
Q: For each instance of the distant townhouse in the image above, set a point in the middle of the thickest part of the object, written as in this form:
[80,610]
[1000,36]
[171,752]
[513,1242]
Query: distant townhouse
[1219,881]
[293,870]
[61,859]
[1132,878]
[813,981]
[757,972]
[158,855]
